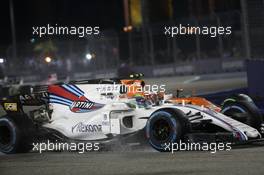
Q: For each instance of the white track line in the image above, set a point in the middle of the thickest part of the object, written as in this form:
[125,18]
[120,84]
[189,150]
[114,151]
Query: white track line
[192,80]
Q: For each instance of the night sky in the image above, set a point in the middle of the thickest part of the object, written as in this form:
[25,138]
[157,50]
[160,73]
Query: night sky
[104,13]
[107,14]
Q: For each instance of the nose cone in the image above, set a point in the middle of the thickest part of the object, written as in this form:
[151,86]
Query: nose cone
[253,134]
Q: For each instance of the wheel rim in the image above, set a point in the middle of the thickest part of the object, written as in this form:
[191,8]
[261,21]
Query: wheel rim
[161,130]
[233,109]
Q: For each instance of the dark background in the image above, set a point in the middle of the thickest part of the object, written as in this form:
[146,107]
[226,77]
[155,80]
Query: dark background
[104,13]
[144,47]
[29,13]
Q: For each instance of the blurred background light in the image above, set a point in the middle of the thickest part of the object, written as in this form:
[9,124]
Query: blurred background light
[2,60]
[88,56]
[48,59]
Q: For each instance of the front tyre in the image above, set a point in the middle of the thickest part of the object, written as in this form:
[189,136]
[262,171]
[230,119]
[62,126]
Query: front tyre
[242,108]
[165,127]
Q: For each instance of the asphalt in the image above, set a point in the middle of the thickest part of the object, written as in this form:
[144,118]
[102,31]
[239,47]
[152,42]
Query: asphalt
[237,161]
[249,160]
[200,84]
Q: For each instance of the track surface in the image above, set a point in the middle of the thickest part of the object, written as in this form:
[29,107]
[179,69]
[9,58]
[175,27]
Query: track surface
[237,161]
[201,84]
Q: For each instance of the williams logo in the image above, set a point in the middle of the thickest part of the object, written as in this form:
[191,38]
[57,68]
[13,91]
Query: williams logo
[86,128]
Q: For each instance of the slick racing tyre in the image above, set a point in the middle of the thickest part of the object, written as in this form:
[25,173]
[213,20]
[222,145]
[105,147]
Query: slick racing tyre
[242,108]
[165,127]
[15,134]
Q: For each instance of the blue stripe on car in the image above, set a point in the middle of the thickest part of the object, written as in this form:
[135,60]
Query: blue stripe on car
[68,88]
[76,88]
[60,98]
[60,102]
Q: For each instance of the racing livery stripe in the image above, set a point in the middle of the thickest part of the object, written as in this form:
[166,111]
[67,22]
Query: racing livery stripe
[76,89]
[60,98]
[57,90]
[59,102]
[71,90]
[72,97]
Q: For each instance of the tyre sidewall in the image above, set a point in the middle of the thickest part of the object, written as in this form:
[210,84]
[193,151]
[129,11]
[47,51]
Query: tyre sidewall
[175,129]
[22,130]
[254,118]
[12,147]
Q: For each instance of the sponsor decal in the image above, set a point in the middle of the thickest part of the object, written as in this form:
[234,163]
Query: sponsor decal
[86,128]
[73,97]
[81,105]
[108,88]
[10,106]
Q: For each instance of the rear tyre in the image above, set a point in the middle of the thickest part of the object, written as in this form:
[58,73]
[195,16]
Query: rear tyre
[243,109]
[165,127]
[16,134]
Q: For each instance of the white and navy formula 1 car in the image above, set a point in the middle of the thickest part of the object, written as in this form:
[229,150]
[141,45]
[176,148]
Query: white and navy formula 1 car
[94,111]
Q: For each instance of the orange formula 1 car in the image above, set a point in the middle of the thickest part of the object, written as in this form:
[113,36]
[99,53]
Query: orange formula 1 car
[240,106]
[135,87]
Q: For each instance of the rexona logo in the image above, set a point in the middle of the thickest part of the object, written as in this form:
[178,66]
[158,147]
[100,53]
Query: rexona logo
[86,128]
